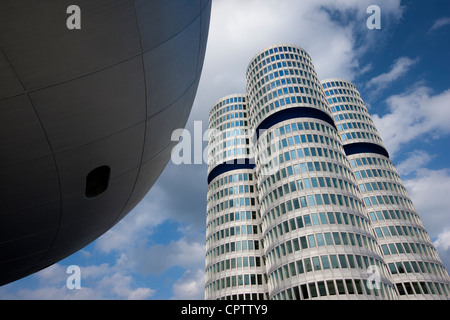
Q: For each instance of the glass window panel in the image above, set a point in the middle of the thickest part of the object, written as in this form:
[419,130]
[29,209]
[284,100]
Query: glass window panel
[351,261]
[330,217]
[315,219]
[358,286]
[350,288]
[303,242]
[408,288]
[316,263]
[400,289]
[300,267]
[307,220]
[343,261]
[304,291]
[331,288]
[340,286]
[321,287]
[323,218]
[308,265]
[334,261]
[313,290]
[299,222]
[312,241]
[328,239]
[296,244]
[336,238]
[325,262]
[320,241]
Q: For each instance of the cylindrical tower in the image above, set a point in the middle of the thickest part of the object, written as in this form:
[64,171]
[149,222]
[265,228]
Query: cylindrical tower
[317,238]
[414,265]
[303,200]
[235,266]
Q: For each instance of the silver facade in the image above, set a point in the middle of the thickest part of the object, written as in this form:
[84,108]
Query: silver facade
[86,116]
[317,231]
[414,264]
[235,266]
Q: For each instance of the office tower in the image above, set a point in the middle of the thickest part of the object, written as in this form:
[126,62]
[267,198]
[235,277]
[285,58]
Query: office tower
[234,257]
[414,264]
[317,235]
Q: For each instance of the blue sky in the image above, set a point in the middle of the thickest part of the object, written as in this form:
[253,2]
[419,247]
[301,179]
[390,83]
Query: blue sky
[402,72]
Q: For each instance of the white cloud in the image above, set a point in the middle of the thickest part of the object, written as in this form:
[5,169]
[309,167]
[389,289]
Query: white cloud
[417,114]
[399,68]
[439,23]
[443,240]
[49,293]
[134,228]
[53,275]
[442,244]
[185,252]
[96,271]
[429,190]
[191,286]
[415,159]
[120,286]
[97,282]
[328,29]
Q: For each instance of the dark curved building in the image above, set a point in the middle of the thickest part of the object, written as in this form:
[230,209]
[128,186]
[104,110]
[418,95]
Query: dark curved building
[86,116]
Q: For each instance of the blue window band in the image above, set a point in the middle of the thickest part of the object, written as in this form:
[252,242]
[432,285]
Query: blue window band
[365,147]
[292,113]
[235,164]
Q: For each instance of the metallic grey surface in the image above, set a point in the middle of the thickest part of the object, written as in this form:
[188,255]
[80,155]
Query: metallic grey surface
[74,100]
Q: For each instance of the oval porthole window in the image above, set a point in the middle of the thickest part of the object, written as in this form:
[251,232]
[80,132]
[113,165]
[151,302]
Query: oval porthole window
[97,181]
